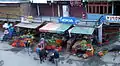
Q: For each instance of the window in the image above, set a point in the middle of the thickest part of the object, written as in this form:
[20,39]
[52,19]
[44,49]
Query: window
[105,10]
[100,8]
[110,10]
[93,9]
[90,10]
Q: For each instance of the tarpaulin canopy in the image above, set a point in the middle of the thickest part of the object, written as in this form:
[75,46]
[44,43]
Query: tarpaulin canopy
[82,30]
[28,25]
[92,17]
[55,27]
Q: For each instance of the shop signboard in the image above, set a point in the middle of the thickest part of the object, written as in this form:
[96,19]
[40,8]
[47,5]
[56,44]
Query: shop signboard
[113,19]
[68,20]
[27,19]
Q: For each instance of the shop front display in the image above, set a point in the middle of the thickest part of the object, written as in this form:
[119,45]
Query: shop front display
[110,28]
[82,45]
[26,33]
[54,34]
[20,41]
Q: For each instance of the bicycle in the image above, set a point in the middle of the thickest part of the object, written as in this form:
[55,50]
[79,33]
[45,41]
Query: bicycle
[1,63]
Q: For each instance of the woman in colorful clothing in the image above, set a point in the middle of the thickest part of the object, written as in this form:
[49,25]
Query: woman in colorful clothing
[42,42]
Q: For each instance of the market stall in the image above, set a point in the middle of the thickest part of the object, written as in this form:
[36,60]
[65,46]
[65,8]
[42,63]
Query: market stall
[26,32]
[20,41]
[83,45]
[54,34]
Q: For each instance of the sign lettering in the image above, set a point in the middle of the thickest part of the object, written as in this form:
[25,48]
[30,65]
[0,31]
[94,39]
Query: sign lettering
[68,20]
[113,18]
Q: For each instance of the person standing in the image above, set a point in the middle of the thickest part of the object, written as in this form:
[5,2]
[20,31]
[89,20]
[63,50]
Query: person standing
[41,54]
[27,46]
[42,42]
[6,32]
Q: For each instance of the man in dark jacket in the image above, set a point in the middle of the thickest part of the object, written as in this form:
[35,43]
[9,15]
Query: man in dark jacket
[42,55]
[55,55]
[27,46]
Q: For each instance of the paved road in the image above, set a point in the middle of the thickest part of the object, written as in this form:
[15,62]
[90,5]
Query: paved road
[21,58]
[18,57]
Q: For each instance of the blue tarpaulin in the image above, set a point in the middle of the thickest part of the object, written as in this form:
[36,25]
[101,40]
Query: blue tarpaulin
[93,17]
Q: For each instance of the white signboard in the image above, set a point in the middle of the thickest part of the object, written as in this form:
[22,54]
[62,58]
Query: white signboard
[65,11]
[24,20]
[38,1]
[113,18]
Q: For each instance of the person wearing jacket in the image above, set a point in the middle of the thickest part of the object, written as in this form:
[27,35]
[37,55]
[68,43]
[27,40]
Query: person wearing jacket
[55,55]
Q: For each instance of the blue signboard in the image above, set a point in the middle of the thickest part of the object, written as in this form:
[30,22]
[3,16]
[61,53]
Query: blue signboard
[110,19]
[68,20]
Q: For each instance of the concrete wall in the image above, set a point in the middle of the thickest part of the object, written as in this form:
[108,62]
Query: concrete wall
[25,9]
[12,9]
[28,9]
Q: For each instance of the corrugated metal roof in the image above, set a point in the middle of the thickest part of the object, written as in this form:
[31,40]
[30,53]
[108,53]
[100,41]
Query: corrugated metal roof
[82,30]
[29,25]
[14,1]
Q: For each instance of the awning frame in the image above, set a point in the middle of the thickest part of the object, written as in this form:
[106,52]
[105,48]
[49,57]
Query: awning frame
[70,30]
[57,29]
[29,25]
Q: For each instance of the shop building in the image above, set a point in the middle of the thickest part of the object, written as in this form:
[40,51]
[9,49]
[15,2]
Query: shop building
[56,8]
[12,10]
[102,6]
[111,27]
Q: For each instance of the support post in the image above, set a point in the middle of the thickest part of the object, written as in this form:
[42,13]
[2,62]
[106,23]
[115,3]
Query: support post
[100,33]
[112,7]
[38,10]
[52,9]
[58,10]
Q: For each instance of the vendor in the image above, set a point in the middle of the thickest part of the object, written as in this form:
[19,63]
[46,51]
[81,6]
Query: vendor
[6,35]
[42,42]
